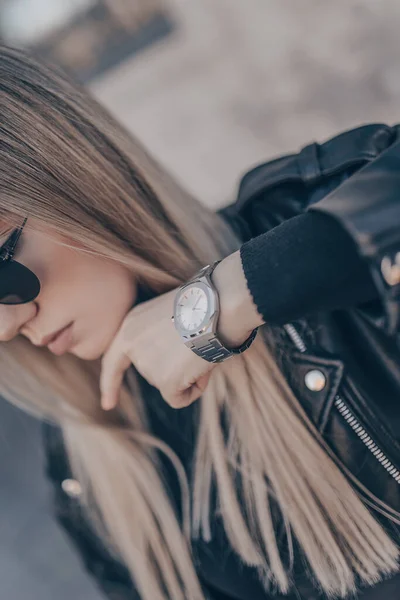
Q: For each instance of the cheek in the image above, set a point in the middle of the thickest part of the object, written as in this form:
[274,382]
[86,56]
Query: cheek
[45,257]
[106,289]
[99,304]
[94,293]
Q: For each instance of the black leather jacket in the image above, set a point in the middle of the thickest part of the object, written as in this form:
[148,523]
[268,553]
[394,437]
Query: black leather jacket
[357,350]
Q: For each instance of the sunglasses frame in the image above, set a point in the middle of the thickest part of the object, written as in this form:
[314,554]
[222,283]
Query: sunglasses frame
[7,250]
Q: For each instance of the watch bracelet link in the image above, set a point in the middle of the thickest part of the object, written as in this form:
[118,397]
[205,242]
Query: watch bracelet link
[214,351]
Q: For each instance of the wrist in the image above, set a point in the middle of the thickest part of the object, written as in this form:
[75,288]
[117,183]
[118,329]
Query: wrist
[238,313]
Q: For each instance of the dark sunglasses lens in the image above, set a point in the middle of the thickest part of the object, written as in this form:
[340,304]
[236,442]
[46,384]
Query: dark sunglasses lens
[18,284]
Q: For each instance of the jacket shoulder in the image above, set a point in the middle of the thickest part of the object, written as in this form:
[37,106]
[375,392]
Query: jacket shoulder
[279,189]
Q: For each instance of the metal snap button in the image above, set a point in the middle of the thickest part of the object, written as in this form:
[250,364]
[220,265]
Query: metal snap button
[315,380]
[390,269]
[72,487]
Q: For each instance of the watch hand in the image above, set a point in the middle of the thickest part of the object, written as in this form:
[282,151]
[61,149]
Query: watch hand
[195,304]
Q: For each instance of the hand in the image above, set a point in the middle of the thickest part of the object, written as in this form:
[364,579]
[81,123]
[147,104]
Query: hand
[148,339]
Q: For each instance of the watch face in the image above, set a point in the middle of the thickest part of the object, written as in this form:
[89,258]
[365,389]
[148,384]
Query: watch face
[191,308]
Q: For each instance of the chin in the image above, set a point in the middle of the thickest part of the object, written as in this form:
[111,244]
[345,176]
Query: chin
[94,342]
[92,349]
[87,351]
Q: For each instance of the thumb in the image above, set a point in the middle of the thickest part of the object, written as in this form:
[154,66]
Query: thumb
[113,367]
[193,392]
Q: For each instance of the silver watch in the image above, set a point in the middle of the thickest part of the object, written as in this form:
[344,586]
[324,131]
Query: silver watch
[196,312]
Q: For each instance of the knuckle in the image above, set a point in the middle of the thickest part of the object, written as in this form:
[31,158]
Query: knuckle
[126,331]
[174,400]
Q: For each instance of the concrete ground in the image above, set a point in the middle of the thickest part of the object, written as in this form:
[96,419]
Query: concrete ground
[237,83]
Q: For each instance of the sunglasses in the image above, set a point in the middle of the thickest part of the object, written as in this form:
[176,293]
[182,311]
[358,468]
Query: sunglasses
[18,284]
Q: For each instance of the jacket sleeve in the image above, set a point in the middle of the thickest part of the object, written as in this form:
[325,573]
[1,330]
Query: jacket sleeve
[111,576]
[305,265]
[367,206]
[321,229]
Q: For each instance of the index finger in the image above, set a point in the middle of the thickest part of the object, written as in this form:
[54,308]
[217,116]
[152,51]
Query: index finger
[113,366]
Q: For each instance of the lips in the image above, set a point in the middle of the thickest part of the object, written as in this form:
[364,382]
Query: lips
[60,341]
[52,336]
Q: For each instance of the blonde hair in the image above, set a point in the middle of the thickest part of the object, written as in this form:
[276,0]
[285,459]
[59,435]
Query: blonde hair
[67,163]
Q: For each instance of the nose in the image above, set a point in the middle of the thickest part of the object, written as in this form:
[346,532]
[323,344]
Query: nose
[15,318]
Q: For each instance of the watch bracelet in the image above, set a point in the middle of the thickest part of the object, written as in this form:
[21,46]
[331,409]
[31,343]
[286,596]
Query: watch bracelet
[213,350]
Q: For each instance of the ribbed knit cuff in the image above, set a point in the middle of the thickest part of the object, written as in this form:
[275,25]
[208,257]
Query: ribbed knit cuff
[306,264]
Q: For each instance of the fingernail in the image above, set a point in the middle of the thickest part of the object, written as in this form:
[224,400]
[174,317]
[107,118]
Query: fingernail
[107,403]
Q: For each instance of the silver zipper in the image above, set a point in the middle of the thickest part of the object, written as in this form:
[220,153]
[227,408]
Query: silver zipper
[348,415]
[295,337]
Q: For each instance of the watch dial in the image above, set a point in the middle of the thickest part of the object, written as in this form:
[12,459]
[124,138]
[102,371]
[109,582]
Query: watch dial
[192,308]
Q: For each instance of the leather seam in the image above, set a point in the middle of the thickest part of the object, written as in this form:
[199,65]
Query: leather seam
[336,369]
[326,409]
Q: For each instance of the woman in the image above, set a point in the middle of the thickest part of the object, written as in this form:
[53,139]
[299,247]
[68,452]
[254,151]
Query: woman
[281,481]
